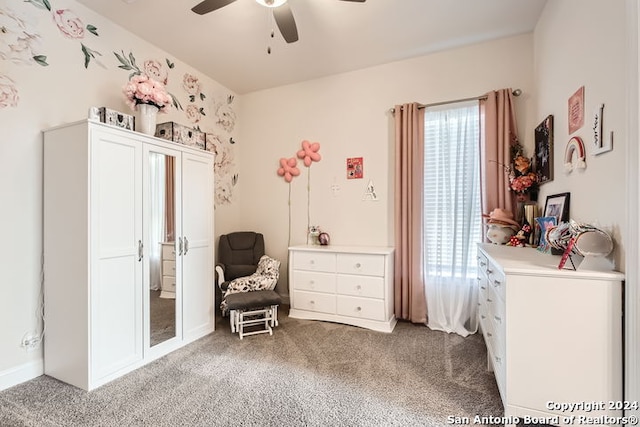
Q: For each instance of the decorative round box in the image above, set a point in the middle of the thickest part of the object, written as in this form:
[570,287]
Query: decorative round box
[323,238]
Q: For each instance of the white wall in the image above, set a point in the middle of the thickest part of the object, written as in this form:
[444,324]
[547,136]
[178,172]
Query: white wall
[349,115]
[34,97]
[582,43]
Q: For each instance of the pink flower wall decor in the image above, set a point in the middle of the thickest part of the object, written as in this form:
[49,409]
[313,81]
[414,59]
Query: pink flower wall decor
[156,70]
[8,92]
[309,152]
[288,168]
[69,24]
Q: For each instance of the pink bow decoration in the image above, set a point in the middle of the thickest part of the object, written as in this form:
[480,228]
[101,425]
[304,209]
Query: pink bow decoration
[288,168]
[309,152]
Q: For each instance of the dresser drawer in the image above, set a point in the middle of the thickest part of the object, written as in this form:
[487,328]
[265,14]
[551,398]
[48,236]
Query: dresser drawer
[168,252]
[361,286]
[483,317]
[486,324]
[483,288]
[169,283]
[168,268]
[500,370]
[360,307]
[365,264]
[497,312]
[313,281]
[313,301]
[497,281]
[483,264]
[314,261]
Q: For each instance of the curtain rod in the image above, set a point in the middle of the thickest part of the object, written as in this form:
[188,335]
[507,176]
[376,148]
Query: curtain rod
[515,92]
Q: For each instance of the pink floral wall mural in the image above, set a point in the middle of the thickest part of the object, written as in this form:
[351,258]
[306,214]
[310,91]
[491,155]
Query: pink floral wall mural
[22,25]
[8,92]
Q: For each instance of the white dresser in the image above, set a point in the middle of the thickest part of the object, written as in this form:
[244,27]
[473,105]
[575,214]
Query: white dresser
[168,267]
[344,284]
[553,336]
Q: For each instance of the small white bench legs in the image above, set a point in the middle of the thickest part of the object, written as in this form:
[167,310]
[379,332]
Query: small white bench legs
[253,308]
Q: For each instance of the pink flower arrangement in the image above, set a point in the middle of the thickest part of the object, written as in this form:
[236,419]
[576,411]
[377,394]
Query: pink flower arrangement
[142,89]
[522,179]
[523,183]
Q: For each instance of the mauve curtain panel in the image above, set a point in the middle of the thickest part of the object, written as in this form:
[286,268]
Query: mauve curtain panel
[497,115]
[409,293]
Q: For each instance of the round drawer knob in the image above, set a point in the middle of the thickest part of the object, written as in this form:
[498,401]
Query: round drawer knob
[358,308]
[358,265]
[312,262]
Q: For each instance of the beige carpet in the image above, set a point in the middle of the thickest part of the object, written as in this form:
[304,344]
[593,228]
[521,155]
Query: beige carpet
[307,374]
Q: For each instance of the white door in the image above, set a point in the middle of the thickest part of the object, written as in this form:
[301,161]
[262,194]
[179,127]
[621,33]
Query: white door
[116,253]
[197,253]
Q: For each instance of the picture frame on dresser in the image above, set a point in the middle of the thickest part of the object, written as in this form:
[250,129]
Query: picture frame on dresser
[557,205]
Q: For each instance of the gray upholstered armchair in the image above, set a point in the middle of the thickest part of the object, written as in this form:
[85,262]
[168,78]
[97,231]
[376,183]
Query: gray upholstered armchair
[238,256]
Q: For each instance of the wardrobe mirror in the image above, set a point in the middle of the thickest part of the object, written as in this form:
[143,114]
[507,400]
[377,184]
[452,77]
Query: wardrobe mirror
[162,255]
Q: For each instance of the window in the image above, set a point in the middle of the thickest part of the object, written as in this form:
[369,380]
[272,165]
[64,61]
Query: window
[452,214]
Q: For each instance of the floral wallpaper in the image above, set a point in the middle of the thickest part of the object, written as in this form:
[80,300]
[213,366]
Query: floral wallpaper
[200,107]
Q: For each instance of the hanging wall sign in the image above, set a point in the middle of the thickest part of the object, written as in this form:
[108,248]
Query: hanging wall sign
[601,142]
[576,110]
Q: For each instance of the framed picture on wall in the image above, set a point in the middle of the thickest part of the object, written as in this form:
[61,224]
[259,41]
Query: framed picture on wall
[544,150]
[355,168]
[557,206]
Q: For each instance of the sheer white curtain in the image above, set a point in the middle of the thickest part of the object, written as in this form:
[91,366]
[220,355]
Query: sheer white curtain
[452,216]
[157,216]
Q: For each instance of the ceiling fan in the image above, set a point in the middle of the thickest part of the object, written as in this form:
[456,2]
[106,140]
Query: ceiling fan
[281,13]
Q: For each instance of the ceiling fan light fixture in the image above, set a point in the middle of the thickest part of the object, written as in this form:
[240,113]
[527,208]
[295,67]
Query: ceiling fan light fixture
[271,3]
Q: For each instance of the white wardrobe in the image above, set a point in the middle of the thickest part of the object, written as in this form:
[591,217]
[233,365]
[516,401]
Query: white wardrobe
[103,188]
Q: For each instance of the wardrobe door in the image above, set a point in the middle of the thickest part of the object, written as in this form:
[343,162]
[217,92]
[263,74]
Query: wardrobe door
[116,253]
[197,245]
[162,219]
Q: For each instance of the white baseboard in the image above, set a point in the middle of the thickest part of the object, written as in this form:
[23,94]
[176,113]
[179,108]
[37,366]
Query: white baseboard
[20,374]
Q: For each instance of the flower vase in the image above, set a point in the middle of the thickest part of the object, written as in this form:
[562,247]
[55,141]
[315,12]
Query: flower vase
[147,118]
[521,200]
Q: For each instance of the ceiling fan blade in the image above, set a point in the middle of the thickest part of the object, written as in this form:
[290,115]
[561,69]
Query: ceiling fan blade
[210,5]
[286,23]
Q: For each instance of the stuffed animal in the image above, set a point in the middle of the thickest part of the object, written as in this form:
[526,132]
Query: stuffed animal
[521,237]
[501,226]
[499,234]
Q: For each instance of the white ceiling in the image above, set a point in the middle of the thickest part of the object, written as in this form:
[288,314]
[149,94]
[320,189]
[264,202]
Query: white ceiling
[230,44]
